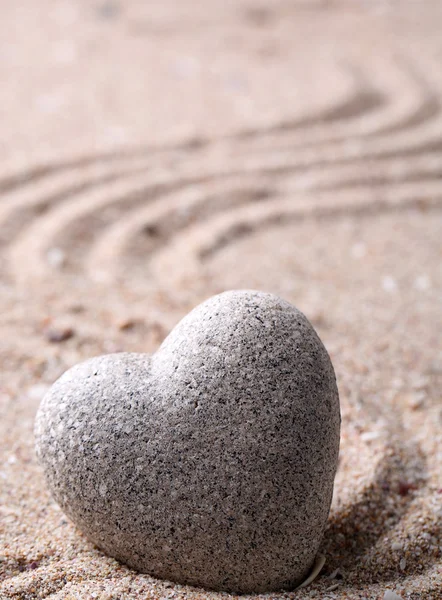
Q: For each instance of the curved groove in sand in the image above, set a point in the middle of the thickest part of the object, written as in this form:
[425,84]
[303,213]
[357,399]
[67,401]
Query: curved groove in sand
[348,100]
[57,197]
[340,172]
[197,244]
[392,112]
[22,206]
[27,254]
[166,217]
[362,111]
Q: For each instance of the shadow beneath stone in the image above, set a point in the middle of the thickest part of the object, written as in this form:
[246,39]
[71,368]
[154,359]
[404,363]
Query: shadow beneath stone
[355,529]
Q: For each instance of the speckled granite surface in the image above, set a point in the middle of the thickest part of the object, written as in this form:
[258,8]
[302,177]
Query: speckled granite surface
[211,463]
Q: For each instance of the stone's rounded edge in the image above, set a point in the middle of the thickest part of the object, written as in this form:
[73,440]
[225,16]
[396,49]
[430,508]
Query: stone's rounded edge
[200,573]
[51,403]
[236,300]
[57,405]
[288,585]
[238,303]
[76,373]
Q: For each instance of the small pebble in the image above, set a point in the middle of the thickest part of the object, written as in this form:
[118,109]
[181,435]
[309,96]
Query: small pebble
[333,587]
[109,9]
[368,436]
[417,400]
[358,250]
[56,257]
[389,595]
[37,391]
[389,284]
[335,574]
[405,487]
[57,336]
[126,324]
[422,283]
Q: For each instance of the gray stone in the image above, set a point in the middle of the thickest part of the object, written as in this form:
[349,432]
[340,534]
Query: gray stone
[210,463]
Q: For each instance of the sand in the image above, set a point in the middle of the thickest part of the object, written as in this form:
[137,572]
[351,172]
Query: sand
[153,154]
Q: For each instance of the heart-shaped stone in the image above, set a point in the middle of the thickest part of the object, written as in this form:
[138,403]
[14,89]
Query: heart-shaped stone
[211,462]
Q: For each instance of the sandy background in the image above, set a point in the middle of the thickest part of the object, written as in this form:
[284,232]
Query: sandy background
[155,153]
